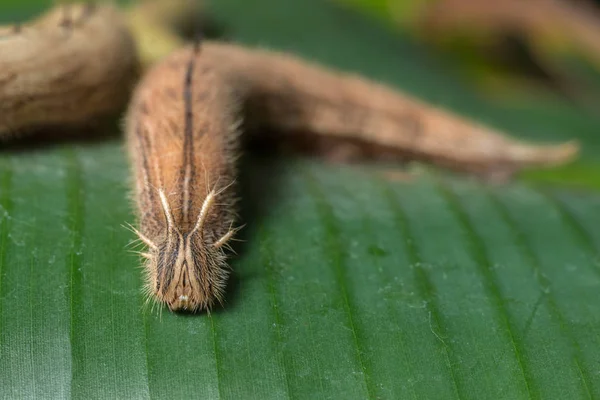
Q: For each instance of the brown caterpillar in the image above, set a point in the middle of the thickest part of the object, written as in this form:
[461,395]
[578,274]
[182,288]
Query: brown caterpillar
[183,129]
[73,64]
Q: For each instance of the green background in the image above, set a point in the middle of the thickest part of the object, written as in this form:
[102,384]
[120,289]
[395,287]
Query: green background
[347,285]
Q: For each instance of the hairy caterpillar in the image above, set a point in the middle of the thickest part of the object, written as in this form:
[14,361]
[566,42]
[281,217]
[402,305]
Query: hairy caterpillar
[73,64]
[183,133]
[183,128]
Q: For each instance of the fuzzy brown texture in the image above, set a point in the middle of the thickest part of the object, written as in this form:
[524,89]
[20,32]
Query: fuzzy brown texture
[182,131]
[73,64]
[183,140]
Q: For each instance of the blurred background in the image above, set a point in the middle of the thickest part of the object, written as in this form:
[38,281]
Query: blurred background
[510,48]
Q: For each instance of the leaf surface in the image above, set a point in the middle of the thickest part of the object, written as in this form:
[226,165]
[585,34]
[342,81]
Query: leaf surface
[348,285]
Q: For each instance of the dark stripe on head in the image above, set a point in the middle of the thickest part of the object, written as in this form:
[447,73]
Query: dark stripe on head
[188,139]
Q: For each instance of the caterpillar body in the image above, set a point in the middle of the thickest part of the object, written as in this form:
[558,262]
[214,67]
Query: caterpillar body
[184,122]
[69,66]
[183,135]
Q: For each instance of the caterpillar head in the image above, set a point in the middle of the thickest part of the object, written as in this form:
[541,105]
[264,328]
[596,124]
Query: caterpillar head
[184,270]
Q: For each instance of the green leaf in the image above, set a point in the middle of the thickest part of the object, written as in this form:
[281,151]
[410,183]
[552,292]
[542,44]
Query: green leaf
[347,285]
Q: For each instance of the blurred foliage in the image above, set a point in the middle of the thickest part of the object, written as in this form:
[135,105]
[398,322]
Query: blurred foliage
[510,48]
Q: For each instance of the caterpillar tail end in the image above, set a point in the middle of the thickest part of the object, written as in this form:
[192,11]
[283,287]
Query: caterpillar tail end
[546,156]
[523,156]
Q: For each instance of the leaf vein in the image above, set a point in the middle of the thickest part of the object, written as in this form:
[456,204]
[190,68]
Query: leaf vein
[332,234]
[75,224]
[400,335]
[7,205]
[32,340]
[482,260]
[216,352]
[532,259]
[147,354]
[571,221]
[267,261]
[422,280]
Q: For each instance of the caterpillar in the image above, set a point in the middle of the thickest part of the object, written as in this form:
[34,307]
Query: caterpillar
[184,122]
[183,132]
[73,64]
